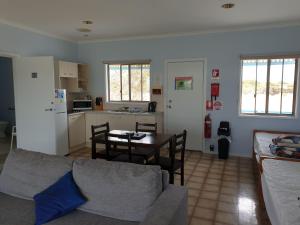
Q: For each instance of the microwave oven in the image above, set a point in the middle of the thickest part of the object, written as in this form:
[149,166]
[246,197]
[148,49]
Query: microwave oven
[82,105]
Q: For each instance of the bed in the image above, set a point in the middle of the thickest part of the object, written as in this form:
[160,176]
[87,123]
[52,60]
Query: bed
[261,142]
[281,196]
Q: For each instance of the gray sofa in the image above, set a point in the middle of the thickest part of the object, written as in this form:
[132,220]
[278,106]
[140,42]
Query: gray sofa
[117,193]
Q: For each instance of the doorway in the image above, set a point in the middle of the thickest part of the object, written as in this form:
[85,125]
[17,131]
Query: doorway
[7,106]
[185,97]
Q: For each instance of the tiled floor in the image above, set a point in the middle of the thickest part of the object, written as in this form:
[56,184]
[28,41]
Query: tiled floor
[220,191]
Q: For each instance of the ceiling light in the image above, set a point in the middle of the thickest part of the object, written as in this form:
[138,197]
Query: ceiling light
[228,6]
[87,22]
[84,30]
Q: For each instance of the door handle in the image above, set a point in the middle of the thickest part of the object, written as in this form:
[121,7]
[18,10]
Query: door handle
[49,109]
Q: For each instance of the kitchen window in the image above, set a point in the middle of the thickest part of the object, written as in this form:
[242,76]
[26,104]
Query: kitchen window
[269,85]
[128,82]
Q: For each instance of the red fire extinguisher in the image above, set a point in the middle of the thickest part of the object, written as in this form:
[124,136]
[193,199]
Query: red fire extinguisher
[207,126]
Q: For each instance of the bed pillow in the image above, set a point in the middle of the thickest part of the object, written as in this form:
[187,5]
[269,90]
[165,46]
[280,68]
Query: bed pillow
[57,200]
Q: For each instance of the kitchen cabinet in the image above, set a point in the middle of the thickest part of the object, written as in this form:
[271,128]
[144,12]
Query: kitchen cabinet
[77,132]
[71,76]
[120,121]
[68,69]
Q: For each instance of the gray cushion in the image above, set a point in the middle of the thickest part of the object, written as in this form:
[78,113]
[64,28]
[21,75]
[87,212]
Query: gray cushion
[27,173]
[84,218]
[16,211]
[123,191]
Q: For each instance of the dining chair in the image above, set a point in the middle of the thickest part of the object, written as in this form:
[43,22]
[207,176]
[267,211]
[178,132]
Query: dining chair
[172,163]
[99,137]
[147,153]
[122,149]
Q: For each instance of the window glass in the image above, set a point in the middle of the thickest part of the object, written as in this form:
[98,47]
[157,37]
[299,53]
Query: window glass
[268,86]
[146,82]
[114,82]
[128,82]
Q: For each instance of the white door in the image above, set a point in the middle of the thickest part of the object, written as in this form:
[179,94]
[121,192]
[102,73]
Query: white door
[34,99]
[184,104]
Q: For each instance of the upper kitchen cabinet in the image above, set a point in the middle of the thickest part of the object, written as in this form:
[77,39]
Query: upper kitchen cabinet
[72,76]
[67,69]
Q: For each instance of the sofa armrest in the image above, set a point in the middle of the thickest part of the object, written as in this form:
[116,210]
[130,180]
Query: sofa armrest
[169,209]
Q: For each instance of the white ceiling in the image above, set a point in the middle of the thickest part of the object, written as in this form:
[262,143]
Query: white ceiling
[114,19]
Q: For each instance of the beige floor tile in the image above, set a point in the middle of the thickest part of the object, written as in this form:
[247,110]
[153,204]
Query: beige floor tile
[194,185]
[199,173]
[211,187]
[213,181]
[230,184]
[196,179]
[204,213]
[206,203]
[197,221]
[209,195]
[228,198]
[214,176]
[192,200]
[193,192]
[227,218]
[190,210]
[229,190]
[227,207]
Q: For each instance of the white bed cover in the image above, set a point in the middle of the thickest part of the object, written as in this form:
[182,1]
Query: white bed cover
[281,188]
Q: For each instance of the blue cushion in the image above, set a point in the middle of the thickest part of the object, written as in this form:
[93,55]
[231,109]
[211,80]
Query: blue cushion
[57,200]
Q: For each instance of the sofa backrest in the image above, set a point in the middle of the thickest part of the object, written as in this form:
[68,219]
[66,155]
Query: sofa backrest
[119,190]
[27,173]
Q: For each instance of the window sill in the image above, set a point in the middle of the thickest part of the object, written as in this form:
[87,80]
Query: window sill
[267,117]
[128,103]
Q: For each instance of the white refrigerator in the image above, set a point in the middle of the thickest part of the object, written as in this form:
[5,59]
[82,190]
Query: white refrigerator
[41,109]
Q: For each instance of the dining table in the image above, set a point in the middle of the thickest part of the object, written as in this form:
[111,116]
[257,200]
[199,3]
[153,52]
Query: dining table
[150,140]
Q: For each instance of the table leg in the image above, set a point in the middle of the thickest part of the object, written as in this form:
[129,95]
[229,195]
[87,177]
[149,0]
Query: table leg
[171,177]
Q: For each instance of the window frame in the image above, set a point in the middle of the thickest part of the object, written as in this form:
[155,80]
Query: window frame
[129,64]
[294,114]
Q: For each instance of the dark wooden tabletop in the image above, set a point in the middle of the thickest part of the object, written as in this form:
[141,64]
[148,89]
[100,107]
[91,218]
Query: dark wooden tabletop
[150,140]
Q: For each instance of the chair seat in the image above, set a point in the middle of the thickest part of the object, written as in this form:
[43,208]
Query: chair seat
[125,158]
[145,152]
[165,163]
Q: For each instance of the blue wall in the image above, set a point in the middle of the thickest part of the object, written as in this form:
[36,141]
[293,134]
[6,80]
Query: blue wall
[26,43]
[222,50]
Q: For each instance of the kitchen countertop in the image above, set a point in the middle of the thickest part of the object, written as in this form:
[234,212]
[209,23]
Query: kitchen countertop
[125,113]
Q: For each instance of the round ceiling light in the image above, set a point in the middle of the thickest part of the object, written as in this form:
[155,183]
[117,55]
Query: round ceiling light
[228,6]
[84,30]
[87,22]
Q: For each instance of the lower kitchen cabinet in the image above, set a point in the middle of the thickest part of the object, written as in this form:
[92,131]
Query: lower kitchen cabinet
[77,132]
[120,121]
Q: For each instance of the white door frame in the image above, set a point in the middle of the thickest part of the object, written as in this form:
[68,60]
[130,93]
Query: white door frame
[204,60]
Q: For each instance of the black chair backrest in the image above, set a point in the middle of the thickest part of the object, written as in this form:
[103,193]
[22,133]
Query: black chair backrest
[109,140]
[146,127]
[100,129]
[179,145]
